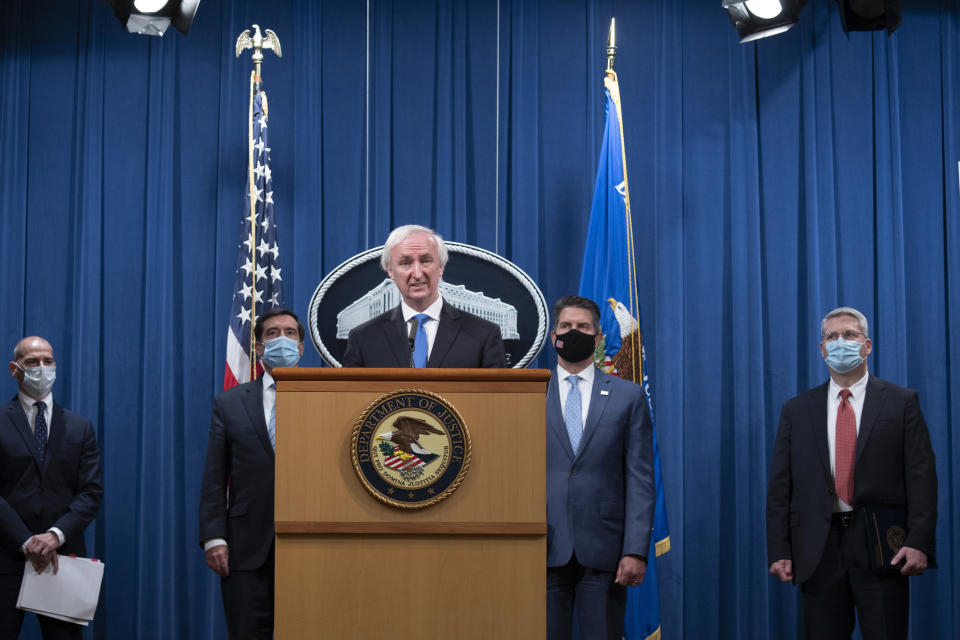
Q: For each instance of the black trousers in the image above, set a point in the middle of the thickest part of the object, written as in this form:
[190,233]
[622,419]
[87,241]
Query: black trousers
[843,586]
[11,618]
[248,602]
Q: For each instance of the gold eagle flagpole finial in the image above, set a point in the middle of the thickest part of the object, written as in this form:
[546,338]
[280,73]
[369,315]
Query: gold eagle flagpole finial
[611,44]
[258,43]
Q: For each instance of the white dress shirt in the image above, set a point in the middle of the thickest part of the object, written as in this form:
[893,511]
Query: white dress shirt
[584,384]
[858,391]
[269,396]
[430,327]
[27,402]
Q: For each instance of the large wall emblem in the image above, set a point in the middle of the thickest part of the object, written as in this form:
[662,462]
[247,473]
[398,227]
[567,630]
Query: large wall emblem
[474,280]
[410,449]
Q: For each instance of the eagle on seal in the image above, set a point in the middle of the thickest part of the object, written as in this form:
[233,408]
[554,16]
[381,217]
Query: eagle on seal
[407,432]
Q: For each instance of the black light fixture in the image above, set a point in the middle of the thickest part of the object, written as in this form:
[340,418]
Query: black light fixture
[870,15]
[756,19]
[152,17]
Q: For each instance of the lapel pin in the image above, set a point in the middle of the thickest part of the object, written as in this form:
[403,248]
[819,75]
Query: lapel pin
[604,392]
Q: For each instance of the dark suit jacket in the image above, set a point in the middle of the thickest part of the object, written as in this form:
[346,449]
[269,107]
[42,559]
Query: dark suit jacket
[894,466]
[239,450]
[463,341]
[65,493]
[600,502]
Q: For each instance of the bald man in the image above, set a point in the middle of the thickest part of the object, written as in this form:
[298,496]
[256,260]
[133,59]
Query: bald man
[50,483]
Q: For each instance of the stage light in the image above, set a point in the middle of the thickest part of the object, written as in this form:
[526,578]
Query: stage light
[756,19]
[149,6]
[152,17]
[870,15]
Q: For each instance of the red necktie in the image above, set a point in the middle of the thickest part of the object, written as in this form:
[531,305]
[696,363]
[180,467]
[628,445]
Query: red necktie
[846,448]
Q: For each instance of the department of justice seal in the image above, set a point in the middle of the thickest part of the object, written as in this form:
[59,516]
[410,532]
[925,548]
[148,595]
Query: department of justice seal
[410,449]
[896,536]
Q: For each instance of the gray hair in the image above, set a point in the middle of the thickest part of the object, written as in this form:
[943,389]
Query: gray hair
[846,311]
[400,234]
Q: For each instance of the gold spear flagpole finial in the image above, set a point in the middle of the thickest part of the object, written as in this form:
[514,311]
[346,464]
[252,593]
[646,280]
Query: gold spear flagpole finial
[611,44]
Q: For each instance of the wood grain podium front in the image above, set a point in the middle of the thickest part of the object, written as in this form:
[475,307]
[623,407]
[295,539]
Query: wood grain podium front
[470,566]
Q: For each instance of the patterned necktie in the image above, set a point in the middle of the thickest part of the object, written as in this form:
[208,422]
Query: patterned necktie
[40,429]
[272,425]
[573,414]
[420,344]
[846,448]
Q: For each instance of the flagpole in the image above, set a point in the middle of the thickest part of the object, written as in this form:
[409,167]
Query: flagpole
[252,186]
[258,43]
[613,85]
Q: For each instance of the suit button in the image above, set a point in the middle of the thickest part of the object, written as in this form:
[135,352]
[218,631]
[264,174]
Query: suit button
[573,472]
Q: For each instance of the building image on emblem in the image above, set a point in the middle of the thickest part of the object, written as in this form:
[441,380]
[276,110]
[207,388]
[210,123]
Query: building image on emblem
[385,296]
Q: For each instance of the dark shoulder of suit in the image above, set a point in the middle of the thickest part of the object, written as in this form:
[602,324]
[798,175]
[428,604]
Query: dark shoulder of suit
[233,394]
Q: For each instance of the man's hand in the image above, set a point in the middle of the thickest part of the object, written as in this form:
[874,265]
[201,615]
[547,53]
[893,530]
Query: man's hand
[217,559]
[41,550]
[783,570]
[915,561]
[631,571]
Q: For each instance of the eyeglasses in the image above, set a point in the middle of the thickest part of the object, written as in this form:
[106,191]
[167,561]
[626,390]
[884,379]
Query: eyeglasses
[849,334]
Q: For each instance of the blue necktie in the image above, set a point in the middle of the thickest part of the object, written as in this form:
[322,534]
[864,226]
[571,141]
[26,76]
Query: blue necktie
[40,429]
[272,425]
[420,343]
[573,414]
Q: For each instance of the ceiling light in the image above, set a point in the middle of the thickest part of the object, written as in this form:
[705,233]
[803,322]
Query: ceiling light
[756,19]
[870,15]
[152,17]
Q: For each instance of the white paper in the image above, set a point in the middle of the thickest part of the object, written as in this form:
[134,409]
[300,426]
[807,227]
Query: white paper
[70,595]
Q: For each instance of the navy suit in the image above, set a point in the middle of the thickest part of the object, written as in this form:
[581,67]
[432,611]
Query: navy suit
[239,452]
[600,502]
[894,465]
[65,493]
[463,341]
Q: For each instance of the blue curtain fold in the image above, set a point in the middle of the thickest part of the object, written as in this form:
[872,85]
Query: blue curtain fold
[770,182]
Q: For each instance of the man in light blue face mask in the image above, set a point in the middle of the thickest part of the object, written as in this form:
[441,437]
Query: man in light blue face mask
[50,483]
[236,527]
[852,499]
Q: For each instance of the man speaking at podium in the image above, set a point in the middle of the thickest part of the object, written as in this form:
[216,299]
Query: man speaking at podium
[423,331]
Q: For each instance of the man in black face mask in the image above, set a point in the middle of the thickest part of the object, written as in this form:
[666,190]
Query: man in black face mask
[600,485]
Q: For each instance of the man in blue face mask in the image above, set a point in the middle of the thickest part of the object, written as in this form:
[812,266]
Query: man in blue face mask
[236,526]
[852,499]
[50,482]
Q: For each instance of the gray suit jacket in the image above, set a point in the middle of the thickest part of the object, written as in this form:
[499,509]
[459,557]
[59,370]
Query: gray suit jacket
[600,501]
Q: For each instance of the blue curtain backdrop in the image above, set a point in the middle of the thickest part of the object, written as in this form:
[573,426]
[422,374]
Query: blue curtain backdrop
[770,183]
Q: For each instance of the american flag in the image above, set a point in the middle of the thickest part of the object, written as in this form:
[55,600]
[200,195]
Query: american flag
[401,461]
[258,286]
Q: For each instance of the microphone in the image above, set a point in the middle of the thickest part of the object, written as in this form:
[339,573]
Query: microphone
[414,324]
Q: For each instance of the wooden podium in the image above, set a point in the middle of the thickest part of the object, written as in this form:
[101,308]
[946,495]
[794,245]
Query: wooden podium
[470,566]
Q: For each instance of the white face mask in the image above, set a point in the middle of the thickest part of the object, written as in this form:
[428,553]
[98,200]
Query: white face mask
[37,381]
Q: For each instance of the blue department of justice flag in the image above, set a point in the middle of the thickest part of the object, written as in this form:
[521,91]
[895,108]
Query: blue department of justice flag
[258,286]
[609,277]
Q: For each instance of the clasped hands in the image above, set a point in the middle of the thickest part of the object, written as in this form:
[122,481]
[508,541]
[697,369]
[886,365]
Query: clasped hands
[41,550]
